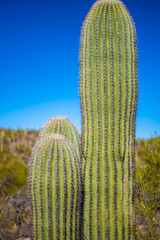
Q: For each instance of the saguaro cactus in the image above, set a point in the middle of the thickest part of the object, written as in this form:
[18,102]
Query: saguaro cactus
[55,189]
[108,93]
[63,126]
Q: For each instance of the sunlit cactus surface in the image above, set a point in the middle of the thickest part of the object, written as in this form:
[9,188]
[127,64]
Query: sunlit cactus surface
[63,126]
[108,94]
[55,189]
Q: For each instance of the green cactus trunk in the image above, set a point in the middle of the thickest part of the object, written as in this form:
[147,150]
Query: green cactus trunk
[108,93]
[62,126]
[55,189]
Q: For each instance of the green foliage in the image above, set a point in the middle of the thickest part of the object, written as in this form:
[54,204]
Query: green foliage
[16,150]
[148,189]
[15,205]
[11,168]
[20,148]
[14,202]
[15,216]
[2,134]
[11,171]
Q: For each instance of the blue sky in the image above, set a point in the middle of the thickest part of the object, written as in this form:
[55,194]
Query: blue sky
[39,67]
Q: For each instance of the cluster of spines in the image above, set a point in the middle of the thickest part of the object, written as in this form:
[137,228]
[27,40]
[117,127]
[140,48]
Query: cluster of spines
[55,184]
[62,126]
[108,92]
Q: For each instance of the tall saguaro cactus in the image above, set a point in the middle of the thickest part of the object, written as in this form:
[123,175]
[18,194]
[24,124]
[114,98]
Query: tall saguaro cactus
[108,93]
[55,189]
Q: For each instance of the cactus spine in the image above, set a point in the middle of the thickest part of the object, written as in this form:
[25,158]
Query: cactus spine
[62,126]
[55,189]
[108,93]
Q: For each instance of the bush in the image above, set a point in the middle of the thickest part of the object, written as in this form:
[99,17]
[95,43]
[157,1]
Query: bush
[15,216]
[148,189]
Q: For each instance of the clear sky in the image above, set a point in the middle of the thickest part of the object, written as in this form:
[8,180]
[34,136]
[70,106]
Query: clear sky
[39,67]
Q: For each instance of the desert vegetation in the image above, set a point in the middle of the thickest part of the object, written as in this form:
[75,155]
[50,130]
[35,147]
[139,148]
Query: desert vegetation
[90,186]
[14,200]
[15,153]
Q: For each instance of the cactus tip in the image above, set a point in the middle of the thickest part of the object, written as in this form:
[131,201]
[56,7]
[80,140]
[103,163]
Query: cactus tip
[58,118]
[55,136]
[110,1]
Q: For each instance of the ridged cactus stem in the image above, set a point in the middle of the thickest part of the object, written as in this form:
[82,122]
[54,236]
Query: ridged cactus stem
[62,126]
[108,92]
[55,189]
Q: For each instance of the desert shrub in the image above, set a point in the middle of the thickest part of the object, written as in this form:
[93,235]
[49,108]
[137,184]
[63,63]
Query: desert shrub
[14,202]
[13,174]
[27,151]
[148,189]
[15,216]
[20,148]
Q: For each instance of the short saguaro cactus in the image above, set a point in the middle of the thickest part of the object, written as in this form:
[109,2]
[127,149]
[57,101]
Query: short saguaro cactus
[55,189]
